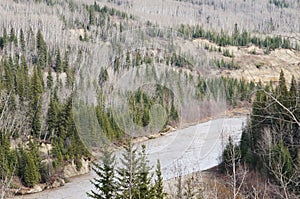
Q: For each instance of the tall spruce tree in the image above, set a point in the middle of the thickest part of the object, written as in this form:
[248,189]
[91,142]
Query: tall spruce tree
[66,62]
[128,173]
[31,173]
[42,50]
[13,38]
[158,185]
[58,63]
[52,116]
[22,40]
[145,189]
[5,37]
[49,79]
[36,102]
[105,183]
[282,89]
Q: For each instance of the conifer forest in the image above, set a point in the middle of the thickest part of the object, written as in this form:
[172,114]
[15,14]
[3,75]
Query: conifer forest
[101,98]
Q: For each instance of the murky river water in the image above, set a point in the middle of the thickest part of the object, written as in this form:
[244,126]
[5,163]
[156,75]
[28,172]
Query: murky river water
[183,151]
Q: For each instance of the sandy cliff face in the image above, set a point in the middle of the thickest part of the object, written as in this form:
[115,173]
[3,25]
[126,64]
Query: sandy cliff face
[255,64]
[71,171]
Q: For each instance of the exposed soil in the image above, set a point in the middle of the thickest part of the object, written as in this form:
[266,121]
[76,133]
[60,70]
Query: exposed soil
[255,64]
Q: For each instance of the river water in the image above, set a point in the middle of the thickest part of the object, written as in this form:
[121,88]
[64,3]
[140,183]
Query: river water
[184,151]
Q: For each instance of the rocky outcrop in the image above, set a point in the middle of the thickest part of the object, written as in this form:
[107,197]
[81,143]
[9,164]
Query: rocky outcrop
[70,170]
[56,183]
[45,149]
[27,190]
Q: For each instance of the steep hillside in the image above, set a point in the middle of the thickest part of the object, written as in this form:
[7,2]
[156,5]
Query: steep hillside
[76,75]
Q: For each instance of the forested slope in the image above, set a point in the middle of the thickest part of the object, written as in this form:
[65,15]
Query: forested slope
[64,64]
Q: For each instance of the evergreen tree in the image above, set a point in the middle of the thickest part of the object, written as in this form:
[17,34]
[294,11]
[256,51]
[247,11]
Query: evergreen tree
[64,119]
[42,50]
[293,94]
[31,173]
[128,173]
[66,62]
[70,77]
[8,76]
[281,158]
[189,191]
[26,78]
[13,38]
[158,185]
[92,15]
[104,122]
[58,63]
[20,82]
[4,153]
[282,89]
[49,79]
[52,116]
[128,61]
[36,102]
[22,40]
[231,153]
[5,37]
[145,190]
[105,184]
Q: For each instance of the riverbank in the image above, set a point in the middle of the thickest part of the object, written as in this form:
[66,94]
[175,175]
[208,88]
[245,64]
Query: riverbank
[243,110]
[196,147]
[206,184]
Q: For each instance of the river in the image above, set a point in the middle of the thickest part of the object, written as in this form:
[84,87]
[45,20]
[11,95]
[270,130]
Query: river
[183,151]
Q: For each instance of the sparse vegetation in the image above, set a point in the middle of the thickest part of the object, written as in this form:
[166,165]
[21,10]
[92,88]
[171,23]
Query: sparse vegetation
[61,61]
[259,65]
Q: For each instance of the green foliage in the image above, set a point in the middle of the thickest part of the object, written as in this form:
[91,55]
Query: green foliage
[58,63]
[140,105]
[231,155]
[111,11]
[31,170]
[103,76]
[28,165]
[145,188]
[279,3]
[226,53]
[36,102]
[5,37]
[31,173]
[107,123]
[7,158]
[129,173]
[42,50]
[78,163]
[61,127]
[24,50]
[133,179]
[231,89]
[105,183]
[13,38]
[179,61]
[270,140]
[281,156]
[92,15]
[237,38]
[49,79]
[22,40]
[66,62]
[259,65]
[226,65]
[52,114]
[158,183]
